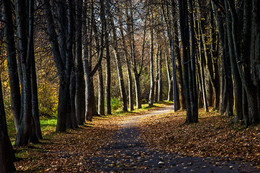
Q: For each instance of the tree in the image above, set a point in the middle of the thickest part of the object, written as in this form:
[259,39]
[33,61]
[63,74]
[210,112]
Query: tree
[29,105]
[6,150]
[61,44]
[188,62]
[79,72]
[12,63]
[151,92]
[118,63]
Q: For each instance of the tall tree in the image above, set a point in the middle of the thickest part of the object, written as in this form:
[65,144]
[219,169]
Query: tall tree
[12,63]
[79,72]
[188,62]
[6,150]
[24,22]
[118,63]
[151,92]
[62,44]
[108,68]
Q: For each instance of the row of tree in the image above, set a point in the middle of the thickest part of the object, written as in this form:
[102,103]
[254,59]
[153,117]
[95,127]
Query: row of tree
[210,50]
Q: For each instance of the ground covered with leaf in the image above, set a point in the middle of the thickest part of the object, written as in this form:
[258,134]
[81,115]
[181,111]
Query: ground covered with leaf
[67,152]
[214,136]
[70,151]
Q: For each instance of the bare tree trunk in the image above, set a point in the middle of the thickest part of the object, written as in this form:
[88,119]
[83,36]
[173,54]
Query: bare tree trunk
[119,67]
[188,64]
[202,48]
[71,118]
[226,94]
[12,64]
[138,74]
[7,156]
[179,69]
[160,77]
[79,72]
[157,74]
[151,93]
[128,65]
[35,108]
[236,78]
[170,88]
[108,70]
[101,108]
[62,52]
[26,130]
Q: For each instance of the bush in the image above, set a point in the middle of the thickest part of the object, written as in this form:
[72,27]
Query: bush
[115,103]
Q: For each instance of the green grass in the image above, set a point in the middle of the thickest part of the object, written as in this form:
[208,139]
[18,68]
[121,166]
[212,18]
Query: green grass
[48,124]
[145,108]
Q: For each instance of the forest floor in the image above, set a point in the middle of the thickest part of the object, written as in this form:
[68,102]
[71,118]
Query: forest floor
[150,141]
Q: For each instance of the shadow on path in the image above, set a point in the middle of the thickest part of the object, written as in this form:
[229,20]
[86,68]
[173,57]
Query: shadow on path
[128,153]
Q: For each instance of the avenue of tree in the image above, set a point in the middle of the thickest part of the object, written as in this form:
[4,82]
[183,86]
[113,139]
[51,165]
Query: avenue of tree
[196,53]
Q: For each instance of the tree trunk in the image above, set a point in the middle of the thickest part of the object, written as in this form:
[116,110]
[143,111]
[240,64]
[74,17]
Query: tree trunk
[63,56]
[35,108]
[188,63]
[232,54]
[71,117]
[160,89]
[226,94]
[179,69]
[157,74]
[169,79]
[26,129]
[7,156]
[108,70]
[80,81]
[12,64]
[151,92]
[101,108]
[128,65]
[120,76]
[201,59]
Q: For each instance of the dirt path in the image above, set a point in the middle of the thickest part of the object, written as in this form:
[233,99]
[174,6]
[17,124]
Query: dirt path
[128,153]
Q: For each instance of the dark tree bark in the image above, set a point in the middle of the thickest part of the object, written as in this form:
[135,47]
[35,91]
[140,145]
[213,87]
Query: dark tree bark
[80,81]
[24,21]
[12,64]
[232,55]
[226,94]
[101,98]
[35,105]
[6,150]
[108,68]
[201,48]
[188,63]
[62,51]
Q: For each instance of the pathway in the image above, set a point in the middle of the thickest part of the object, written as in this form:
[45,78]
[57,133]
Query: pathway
[128,153]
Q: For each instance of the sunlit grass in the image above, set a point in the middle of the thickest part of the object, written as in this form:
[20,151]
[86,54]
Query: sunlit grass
[48,124]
